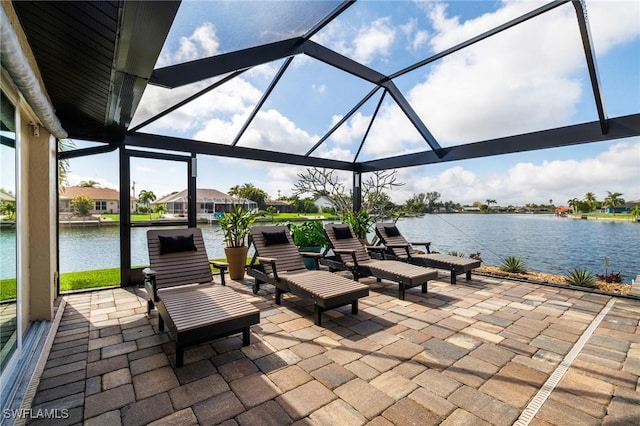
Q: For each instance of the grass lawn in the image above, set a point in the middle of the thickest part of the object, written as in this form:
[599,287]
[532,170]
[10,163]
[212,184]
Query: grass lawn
[134,217]
[606,216]
[8,289]
[278,217]
[99,278]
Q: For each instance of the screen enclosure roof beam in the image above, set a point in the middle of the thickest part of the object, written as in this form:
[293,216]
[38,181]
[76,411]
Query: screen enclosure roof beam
[145,140]
[619,128]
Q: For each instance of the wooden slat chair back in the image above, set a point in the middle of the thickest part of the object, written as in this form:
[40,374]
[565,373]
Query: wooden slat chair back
[396,240]
[283,267]
[182,268]
[346,243]
[289,259]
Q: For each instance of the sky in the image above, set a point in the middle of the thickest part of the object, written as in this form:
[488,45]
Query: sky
[529,78]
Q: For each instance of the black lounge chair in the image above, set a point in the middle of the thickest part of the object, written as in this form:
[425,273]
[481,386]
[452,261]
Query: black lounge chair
[397,247]
[351,255]
[180,286]
[281,265]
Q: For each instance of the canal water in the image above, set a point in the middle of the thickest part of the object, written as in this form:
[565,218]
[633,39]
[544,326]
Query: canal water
[545,242]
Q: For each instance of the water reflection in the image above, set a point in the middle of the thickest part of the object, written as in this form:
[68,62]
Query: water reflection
[544,242]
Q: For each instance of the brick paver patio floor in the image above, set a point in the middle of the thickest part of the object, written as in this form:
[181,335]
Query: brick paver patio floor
[474,353]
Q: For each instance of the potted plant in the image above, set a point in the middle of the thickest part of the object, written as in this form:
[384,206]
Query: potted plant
[360,222]
[236,225]
[309,237]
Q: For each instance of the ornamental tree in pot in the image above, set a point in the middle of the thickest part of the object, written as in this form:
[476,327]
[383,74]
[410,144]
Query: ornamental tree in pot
[236,226]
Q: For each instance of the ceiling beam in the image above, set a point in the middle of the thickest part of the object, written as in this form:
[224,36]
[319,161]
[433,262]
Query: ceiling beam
[590,56]
[328,56]
[619,127]
[201,69]
[145,140]
[262,100]
[413,117]
[328,19]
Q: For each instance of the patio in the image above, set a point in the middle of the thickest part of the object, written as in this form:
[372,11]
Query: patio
[473,353]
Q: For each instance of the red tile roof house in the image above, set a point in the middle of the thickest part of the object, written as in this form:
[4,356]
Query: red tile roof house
[105,200]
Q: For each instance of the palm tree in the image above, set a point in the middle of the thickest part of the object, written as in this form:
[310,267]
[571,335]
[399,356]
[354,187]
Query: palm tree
[590,199]
[8,209]
[160,210]
[147,197]
[489,202]
[573,203]
[613,200]
[63,165]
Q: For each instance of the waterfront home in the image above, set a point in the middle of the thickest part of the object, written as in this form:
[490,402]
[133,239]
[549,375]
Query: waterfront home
[105,200]
[625,208]
[6,196]
[280,206]
[208,201]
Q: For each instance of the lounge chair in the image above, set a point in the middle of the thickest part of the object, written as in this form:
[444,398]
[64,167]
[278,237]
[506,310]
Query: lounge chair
[281,265]
[351,255]
[180,286]
[399,248]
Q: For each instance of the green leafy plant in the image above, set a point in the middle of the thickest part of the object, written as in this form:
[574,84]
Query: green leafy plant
[82,205]
[513,264]
[360,222]
[8,209]
[581,277]
[308,234]
[236,225]
[457,254]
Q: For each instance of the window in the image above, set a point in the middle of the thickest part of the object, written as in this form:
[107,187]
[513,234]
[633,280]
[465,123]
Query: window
[101,206]
[9,197]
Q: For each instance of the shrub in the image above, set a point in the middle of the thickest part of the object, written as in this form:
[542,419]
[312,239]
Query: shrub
[456,253]
[513,264]
[613,277]
[581,277]
[309,233]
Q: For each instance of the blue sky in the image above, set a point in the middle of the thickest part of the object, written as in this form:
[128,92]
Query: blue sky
[532,77]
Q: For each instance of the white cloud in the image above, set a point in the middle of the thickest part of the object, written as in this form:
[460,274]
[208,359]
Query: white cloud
[319,88]
[370,42]
[417,38]
[615,169]
[269,130]
[233,97]
[202,43]
[353,128]
[375,40]
[524,79]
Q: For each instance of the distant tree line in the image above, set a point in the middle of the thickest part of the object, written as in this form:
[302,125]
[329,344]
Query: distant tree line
[590,203]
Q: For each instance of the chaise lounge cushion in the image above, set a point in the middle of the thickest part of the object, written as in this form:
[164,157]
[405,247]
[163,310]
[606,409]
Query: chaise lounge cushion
[342,233]
[176,244]
[271,238]
[391,231]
